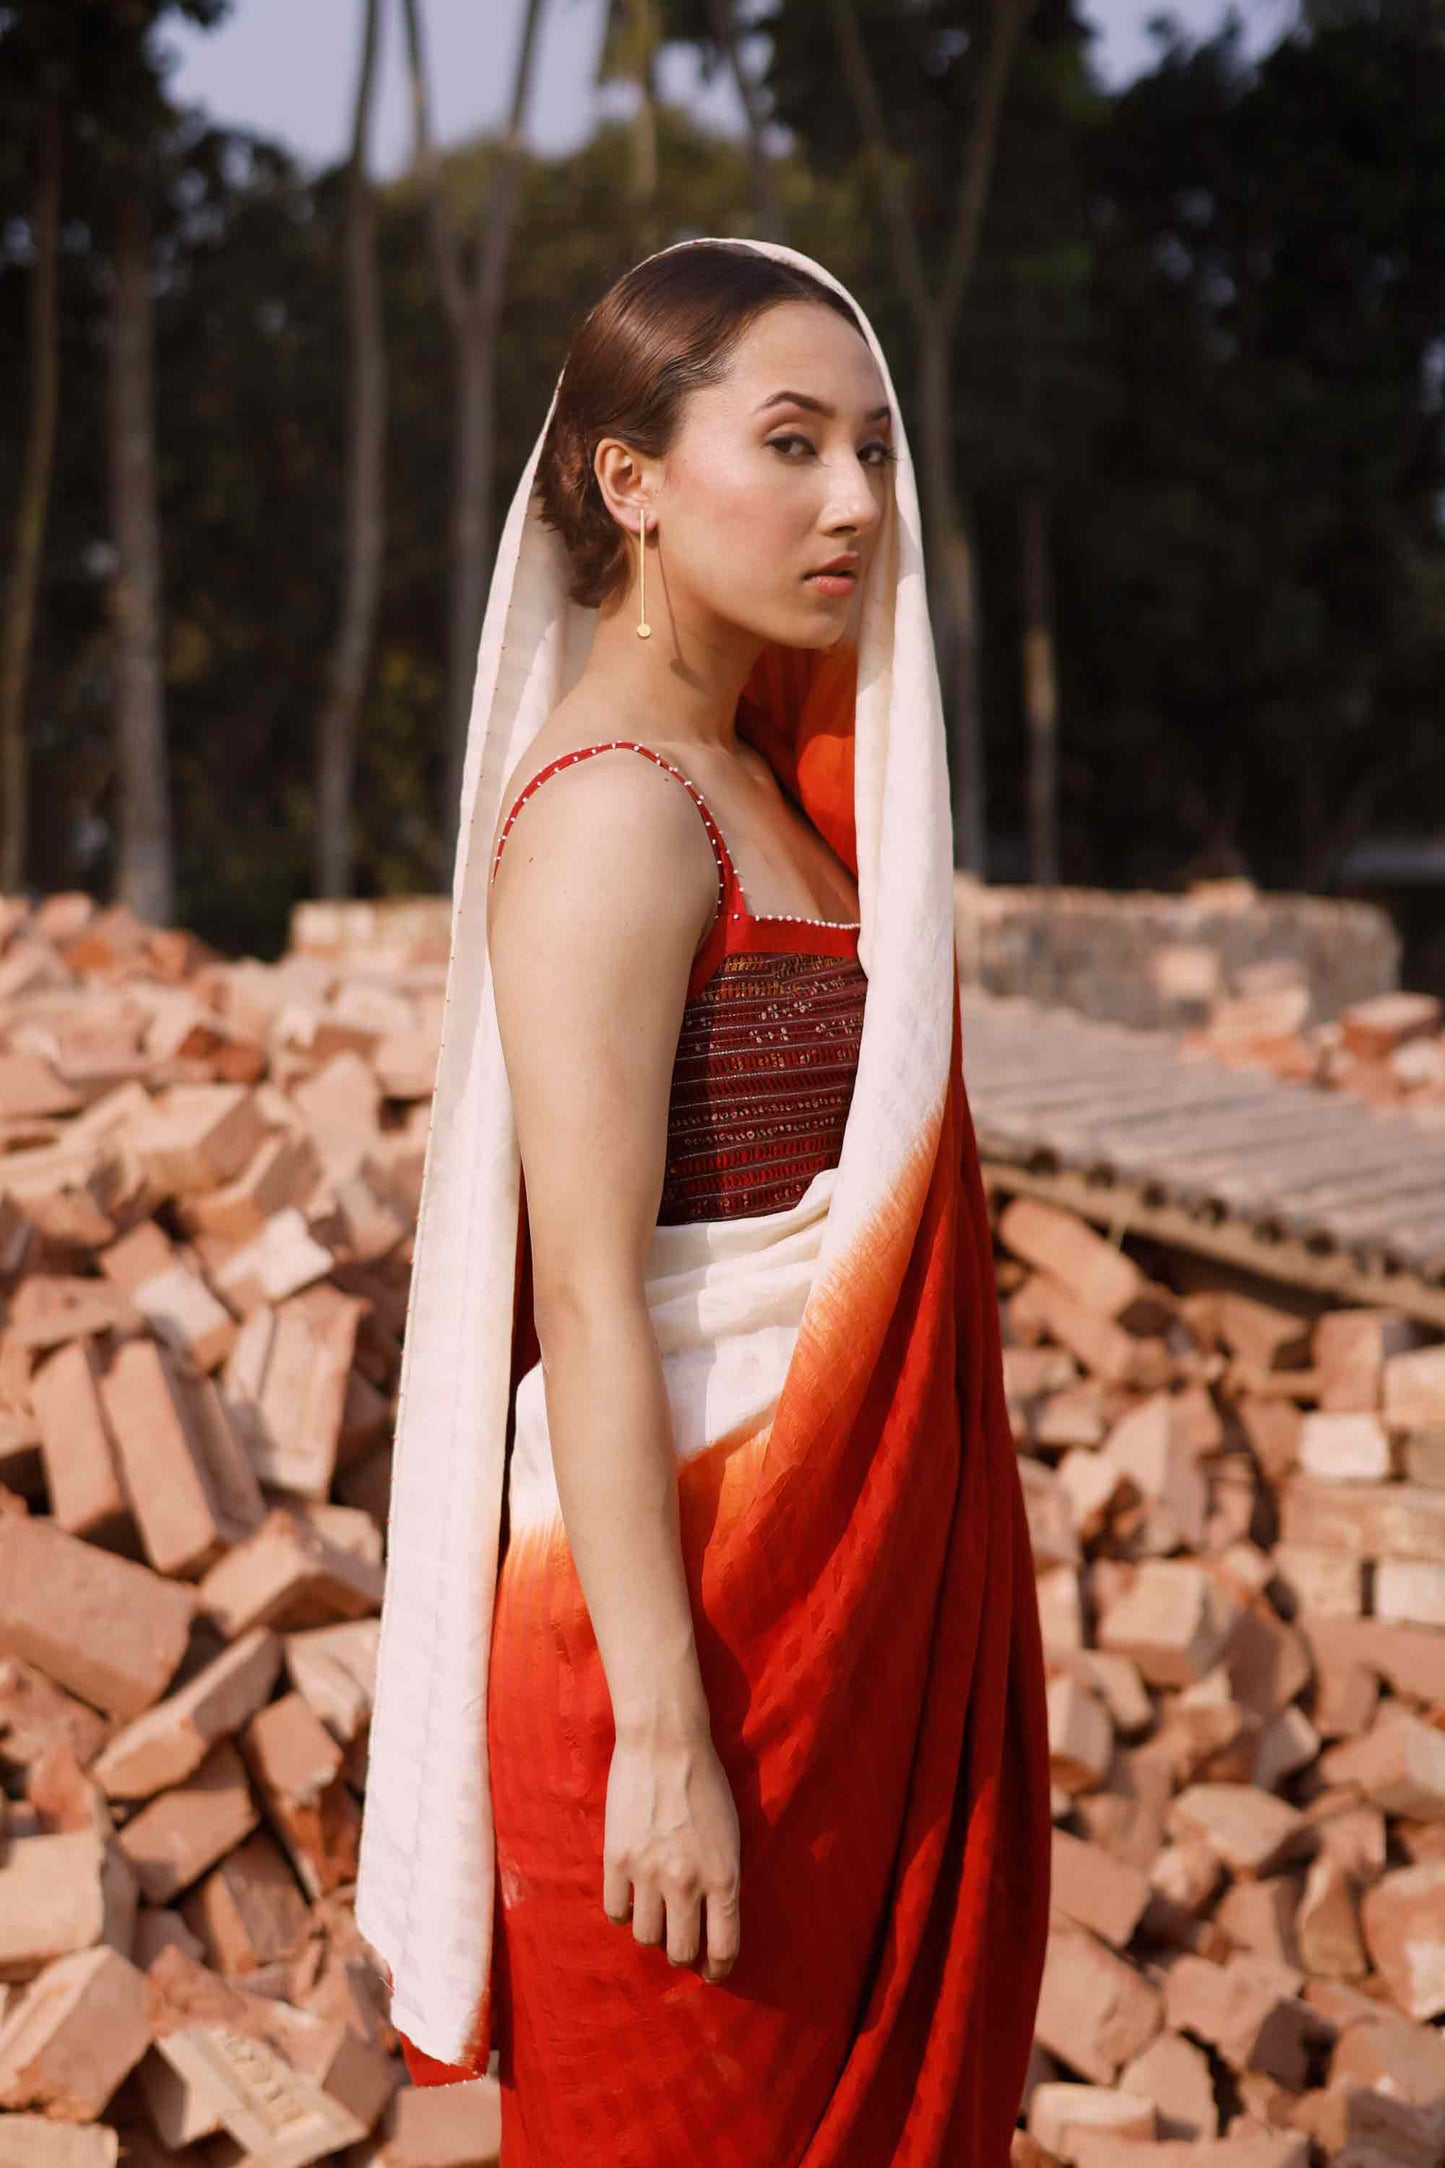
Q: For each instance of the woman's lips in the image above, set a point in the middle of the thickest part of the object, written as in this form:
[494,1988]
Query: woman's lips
[832,583]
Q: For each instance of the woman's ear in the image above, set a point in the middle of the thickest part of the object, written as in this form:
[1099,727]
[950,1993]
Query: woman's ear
[625,482]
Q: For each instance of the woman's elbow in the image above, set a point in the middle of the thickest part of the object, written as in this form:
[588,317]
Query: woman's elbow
[581,1301]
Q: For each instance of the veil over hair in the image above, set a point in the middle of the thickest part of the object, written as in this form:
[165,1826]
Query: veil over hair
[856,733]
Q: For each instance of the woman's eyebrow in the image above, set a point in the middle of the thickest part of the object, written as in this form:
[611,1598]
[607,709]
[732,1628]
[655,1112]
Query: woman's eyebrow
[818,406]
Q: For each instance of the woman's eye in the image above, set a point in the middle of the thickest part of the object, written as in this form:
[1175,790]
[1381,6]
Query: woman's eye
[885,455]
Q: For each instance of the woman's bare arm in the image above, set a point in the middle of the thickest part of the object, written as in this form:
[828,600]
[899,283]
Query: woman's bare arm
[605,886]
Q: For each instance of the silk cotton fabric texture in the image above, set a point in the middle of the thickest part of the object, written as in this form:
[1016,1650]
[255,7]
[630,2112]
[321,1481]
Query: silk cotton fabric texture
[853,1529]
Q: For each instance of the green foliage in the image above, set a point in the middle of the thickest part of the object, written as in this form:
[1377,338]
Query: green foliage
[1207,322]
[1253,580]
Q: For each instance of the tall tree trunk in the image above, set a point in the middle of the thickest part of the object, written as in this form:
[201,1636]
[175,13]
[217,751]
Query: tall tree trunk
[934,303]
[473,470]
[762,173]
[1041,701]
[145,876]
[630,40]
[30,512]
[643,132]
[473,309]
[953,603]
[365,511]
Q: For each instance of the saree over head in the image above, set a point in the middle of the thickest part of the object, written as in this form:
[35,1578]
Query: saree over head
[852,1521]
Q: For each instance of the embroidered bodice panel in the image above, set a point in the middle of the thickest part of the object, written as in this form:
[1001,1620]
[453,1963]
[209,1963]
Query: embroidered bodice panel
[767,1051]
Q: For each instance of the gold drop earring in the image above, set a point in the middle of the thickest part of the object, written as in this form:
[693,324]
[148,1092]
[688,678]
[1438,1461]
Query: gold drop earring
[644,630]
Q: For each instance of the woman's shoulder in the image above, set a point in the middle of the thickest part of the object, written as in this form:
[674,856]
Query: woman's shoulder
[586,788]
[611,838]
[552,750]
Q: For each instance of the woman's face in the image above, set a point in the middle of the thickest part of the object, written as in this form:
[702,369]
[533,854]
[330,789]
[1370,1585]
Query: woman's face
[778,469]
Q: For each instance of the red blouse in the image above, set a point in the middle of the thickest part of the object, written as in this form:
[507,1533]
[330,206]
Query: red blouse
[767,1051]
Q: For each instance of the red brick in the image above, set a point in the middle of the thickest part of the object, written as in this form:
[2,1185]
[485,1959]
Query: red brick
[286,1388]
[82,1478]
[249,1911]
[104,1627]
[1351,1347]
[77,2031]
[1060,1242]
[297,1768]
[60,1893]
[198,1136]
[1403,1918]
[287,1575]
[50,1308]
[35,1715]
[191,1487]
[282,1172]
[1268,1335]
[182,1832]
[1096,2012]
[170,1741]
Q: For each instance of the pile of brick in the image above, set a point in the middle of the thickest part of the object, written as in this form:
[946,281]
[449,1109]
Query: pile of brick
[1166,961]
[1237,1503]
[1389,1049]
[208,1181]
[209,1174]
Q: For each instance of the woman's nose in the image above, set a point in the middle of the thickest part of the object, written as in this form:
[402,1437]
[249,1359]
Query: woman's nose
[852,504]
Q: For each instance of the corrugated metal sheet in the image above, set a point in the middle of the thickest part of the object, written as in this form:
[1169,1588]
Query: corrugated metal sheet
[1304,1182]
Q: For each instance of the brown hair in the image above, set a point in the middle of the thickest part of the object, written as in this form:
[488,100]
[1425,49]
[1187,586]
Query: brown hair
[663,329]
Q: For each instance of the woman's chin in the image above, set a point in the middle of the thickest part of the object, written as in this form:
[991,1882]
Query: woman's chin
[812,621]
[821,626]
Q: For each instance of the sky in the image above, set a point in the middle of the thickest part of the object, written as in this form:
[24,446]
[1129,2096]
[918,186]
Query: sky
[286,67]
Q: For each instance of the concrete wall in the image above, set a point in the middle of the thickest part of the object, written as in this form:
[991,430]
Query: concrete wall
[1162,961]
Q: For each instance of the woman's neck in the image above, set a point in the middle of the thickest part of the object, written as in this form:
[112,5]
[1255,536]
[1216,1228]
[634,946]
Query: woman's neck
[686,682]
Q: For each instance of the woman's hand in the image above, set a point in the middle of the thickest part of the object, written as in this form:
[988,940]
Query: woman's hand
[671,1835]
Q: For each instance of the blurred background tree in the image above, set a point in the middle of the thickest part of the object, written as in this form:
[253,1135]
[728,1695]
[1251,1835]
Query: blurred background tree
[1192,428]
[471,284]
[363,525]
[91,129]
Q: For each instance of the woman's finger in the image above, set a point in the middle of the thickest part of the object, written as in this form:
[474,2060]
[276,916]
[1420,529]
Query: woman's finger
[647,1912]
[724,1930]
[684,1907]
[616,1892]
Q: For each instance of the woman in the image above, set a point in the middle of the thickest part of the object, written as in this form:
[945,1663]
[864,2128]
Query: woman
[724,1803]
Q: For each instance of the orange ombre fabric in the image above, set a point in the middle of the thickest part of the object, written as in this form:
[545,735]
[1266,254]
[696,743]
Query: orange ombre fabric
[870,1647]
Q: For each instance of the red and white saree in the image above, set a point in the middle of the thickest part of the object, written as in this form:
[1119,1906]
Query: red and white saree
[853,1530]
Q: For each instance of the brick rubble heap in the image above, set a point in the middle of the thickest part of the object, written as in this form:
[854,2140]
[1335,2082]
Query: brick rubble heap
[209,1173]
[1237,1500]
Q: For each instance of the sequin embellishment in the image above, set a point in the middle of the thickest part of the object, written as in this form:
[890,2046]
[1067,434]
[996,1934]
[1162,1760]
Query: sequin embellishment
[761,1083]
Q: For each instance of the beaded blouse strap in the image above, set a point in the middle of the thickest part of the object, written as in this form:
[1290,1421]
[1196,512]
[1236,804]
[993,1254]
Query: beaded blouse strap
[612,745]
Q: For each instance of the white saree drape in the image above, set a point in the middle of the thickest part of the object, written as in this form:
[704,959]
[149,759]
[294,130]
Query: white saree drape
[742,1310]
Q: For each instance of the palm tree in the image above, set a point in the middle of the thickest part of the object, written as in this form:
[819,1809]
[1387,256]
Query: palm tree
[365,516]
